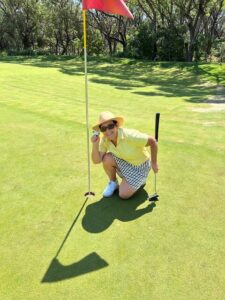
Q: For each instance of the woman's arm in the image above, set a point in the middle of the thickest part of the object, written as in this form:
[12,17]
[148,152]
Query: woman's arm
[96,155]
[154,150]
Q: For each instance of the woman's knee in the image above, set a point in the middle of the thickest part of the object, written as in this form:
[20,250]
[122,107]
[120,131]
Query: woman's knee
[108,159]
[125,194]
[125,190]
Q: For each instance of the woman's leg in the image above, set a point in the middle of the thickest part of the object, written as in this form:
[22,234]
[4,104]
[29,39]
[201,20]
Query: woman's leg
[109,166]
[125,190]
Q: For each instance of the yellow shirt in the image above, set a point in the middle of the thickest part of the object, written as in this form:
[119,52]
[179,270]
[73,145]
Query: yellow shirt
[130,146]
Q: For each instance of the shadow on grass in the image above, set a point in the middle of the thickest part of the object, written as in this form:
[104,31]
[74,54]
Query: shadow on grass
[98,217]
[101,214]
[171,79]
[58,272]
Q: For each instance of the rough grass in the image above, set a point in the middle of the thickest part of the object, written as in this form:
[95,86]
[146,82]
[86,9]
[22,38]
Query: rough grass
[115,249]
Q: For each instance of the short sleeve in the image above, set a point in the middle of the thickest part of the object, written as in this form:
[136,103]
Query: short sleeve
[137,138]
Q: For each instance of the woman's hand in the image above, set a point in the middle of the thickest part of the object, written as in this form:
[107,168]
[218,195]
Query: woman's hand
[95,138]
[155,167]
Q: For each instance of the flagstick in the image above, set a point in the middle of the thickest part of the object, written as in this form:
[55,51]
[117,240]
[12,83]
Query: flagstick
[89,193]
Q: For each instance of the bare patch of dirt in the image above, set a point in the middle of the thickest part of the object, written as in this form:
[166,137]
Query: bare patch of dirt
[211,108]
[215,103]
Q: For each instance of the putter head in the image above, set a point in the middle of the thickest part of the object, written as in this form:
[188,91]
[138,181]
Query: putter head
[153,197]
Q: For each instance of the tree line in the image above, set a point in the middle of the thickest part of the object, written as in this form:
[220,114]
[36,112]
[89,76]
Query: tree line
[171,30]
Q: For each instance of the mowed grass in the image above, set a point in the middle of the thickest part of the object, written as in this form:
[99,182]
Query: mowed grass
[116,249]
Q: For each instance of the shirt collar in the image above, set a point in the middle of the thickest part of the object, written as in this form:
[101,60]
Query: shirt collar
[120,134]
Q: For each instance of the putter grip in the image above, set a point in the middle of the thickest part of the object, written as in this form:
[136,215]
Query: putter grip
[157,116]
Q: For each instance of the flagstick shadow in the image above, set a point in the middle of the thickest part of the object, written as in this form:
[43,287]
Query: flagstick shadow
[57,271]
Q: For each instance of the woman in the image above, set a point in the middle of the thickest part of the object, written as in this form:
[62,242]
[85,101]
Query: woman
[124,152]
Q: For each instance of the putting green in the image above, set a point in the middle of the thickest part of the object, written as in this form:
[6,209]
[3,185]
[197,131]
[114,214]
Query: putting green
[115,249]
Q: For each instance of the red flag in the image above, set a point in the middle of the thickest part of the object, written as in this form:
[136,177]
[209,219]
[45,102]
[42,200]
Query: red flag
[108,6]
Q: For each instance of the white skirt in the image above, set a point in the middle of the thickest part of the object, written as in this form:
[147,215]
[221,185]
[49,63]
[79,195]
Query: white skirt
[136,176]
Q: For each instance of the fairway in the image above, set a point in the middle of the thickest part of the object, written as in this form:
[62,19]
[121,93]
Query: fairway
[110,248]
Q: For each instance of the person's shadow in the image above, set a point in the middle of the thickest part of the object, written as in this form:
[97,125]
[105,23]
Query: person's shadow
[101,214]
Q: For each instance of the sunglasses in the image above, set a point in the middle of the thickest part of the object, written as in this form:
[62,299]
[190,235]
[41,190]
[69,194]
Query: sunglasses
[104,128]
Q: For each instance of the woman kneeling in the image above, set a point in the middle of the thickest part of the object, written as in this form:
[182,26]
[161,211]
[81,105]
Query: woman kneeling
[124,152]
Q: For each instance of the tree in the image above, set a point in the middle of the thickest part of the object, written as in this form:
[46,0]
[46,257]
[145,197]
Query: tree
[64,26]
[189,20]
[21,22]
[113,29]
[162,29]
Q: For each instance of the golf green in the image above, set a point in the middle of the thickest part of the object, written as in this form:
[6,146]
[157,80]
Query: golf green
[55,243]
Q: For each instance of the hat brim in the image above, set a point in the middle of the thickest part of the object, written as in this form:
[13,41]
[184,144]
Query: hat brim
[120,122]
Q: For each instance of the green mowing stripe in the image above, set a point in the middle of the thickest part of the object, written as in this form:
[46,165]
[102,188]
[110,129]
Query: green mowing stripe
[173,250]
[46,115]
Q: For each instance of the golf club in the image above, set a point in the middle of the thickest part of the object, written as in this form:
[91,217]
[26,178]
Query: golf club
[155,196]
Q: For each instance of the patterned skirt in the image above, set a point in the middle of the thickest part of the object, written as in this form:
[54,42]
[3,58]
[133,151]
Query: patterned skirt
[136,176]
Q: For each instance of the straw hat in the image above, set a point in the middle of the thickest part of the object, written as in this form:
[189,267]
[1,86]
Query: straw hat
[106,116]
